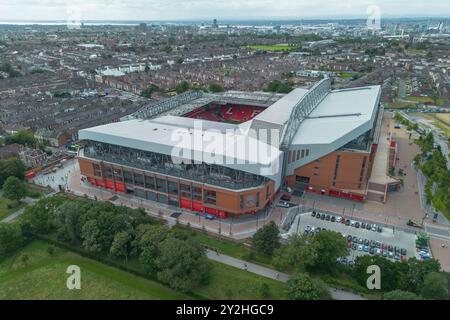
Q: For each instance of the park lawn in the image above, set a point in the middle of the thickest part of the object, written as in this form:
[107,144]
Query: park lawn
[438,123]
[272,48]
[231,283]
[44,276]
[426,99]
[5,211]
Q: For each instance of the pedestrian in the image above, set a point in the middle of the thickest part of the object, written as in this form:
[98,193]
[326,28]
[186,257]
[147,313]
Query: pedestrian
[278,276]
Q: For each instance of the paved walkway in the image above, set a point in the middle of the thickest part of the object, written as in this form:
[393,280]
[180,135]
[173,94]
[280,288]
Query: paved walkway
[273,274]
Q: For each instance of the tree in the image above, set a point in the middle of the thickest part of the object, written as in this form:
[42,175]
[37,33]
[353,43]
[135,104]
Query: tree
[147,93]
[435,286]
[183,265]
[417,271]
[400,295]
[298,255]
[11,168]
[215,87]
[121,245]
[14,189]
[183,86]
[23,137]
[389,273]
[266,239]
[301,287]
[11,238]
[68,221]
[91,236]
[331,246]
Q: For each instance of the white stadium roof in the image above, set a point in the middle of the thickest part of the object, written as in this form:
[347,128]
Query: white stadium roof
[340,117]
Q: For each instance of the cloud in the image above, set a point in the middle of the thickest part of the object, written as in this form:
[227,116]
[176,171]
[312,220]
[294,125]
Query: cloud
[222,9]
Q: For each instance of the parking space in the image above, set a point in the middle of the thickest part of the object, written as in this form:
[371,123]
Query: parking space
[384,241]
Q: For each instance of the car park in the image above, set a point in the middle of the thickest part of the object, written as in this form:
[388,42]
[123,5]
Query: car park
[333,219]
[347,222]
[363,225]
[360,241]
[349,238]
[327,217]
[378,252]
[360,247]
[308,228]
[313,214]
[367,226]
[384,253]
[379,229]
[318,216]
[354,246]
[390,248]
[338,219]
[366,242]
[322,216]
[372,250]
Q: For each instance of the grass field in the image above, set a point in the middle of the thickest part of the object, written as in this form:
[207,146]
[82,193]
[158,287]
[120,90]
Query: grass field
[440,120]
[426,99]
[5,210]
[272,48]
[43,276]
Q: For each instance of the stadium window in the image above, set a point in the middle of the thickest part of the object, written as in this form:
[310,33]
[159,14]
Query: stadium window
[303,153]
[307,153]
[197,193]
[241,201]
[257,199]
[128,177]
[162,198]
[117,174]
[151,195]
[139,192]
[97,171]
[185,190]
[150,182]
[267,192]
[139,179]
[161,185]
[173,187]
[173,201]
[298,155]
[250,201]
[108,173]
[210,196]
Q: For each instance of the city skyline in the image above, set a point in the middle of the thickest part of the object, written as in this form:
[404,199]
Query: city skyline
[158,10]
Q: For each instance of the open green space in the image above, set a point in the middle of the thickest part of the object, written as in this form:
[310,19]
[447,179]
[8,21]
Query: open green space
[272,48]
[43,276]
[426,99]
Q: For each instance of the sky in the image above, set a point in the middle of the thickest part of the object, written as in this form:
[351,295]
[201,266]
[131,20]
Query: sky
[38,10]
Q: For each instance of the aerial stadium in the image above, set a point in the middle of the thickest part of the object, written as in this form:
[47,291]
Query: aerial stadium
[231,153]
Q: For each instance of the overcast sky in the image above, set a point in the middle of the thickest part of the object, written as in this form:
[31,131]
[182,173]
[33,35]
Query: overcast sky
[13,10]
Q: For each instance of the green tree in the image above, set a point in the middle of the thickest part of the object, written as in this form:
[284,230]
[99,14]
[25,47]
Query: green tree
[14,189]
[435,286]
[215,87]
[23,137]
[183,265]
[389,273]
[417,271]
[264,290]
[298,255]
[147,93]
[266,238]
[11,238]
[122,245]
[302,287]
[68,221]
[331,246]
[183,86]
[400,295]
[11,168]
[91,236]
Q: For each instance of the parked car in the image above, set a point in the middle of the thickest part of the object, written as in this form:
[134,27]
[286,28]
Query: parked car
[379,229]
[210,217]
[403,251]
[384,253]
[378,252]
[390,248]
[328,217]
[354,246]
[349,238]
[372,250]
[308,228]
[355,239]
[318,216]
[357,225]
[363,225]
[333,219]
[366,249]
[374,227]
[313,214]
[322,216]
[347,222]
[360,247]
[367,226]
[338,219]
[283,204]
[286,197]
[360,241]
[366,242]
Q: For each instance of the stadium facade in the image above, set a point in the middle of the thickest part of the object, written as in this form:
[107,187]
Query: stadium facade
[231,153]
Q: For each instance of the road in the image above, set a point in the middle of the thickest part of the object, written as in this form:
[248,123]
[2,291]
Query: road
[273,274]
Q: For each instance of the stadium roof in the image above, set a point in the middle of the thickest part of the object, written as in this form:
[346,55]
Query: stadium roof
[339,113]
